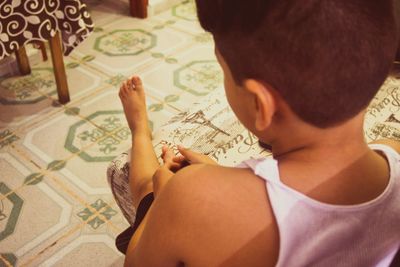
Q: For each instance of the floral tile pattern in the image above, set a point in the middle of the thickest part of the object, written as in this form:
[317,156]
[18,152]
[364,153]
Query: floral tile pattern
[56,208]
[107,137]
[186,10]
[199,77]
[125,42]
[29,89]
[103,212]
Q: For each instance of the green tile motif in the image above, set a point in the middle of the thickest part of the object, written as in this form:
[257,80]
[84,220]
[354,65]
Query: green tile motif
[169,60]
[95,221]
[125,42]
[163,25]
[33,179]
[204,37]
[199,77]
[72,65]
[25,90]
[56,165]
[156,107]
[98,29]
[171,98]
[10,207]
[72,111]
[7,138]
[110,136]
[117,80]
[75,64]
[158,55]
[186,10]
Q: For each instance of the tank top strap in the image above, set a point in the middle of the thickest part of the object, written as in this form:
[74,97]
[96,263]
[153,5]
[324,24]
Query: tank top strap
[265,168]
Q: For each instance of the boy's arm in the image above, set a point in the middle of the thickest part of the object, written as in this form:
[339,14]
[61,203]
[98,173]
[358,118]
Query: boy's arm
[160,180]
[158,240]
[389,142]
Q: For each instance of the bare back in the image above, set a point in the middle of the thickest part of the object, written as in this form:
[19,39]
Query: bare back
[218,216]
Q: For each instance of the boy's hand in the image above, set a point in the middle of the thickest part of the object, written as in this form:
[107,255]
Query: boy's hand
[190,157]
[173,163]
[166,171]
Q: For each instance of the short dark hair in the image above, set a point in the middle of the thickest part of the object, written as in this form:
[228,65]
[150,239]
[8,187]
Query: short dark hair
[326,58]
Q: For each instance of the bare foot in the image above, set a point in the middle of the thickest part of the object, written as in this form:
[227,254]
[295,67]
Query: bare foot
[133,100]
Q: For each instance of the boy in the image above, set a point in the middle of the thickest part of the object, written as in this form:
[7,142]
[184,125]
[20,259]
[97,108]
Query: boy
[299,75]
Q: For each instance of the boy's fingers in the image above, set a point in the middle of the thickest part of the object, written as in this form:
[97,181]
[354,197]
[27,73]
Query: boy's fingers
[167,154]
[193,157]
[178,159]
[189,155]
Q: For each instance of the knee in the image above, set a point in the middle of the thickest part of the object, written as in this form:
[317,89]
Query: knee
[118,169]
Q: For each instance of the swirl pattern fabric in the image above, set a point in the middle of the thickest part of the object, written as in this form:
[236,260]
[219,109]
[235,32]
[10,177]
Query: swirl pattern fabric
[24,21]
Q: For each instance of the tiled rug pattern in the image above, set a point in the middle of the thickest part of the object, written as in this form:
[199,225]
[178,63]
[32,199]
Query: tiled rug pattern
[55,205]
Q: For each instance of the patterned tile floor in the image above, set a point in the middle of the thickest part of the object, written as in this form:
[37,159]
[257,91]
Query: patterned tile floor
[55,205]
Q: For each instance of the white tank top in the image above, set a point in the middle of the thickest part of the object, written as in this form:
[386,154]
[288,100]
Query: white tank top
[313,233]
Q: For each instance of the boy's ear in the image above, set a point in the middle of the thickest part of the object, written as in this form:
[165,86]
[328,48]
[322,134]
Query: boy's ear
[265,103]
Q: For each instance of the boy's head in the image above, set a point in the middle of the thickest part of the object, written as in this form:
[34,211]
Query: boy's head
[325,58]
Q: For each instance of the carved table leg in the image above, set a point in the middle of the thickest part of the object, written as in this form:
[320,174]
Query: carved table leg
[59,69]
[23,61]
[139,8]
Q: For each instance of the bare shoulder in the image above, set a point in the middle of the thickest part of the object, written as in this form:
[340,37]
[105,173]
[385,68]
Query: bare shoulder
[227,214]
[220,184]
[389,142]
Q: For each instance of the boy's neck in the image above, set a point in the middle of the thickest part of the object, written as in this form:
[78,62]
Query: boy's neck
[310,144]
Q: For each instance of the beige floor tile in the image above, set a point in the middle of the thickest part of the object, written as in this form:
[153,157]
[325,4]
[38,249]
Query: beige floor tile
[69,143]
[124,46]
[47,140]
[22,98]
[182,17]
[33,212]
[34,97]
[107,11]
[193,73]
[42,215]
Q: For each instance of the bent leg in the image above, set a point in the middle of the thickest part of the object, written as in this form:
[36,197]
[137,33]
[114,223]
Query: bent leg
[130,175]
[143,162]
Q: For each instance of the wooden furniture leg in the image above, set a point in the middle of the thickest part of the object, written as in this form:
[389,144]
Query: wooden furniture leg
[23,61]
[59,69]
[43,50]
[139,8]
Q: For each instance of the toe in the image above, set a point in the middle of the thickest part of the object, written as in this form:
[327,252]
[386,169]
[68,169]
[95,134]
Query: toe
[123,89]
[137,82]
[129,85]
